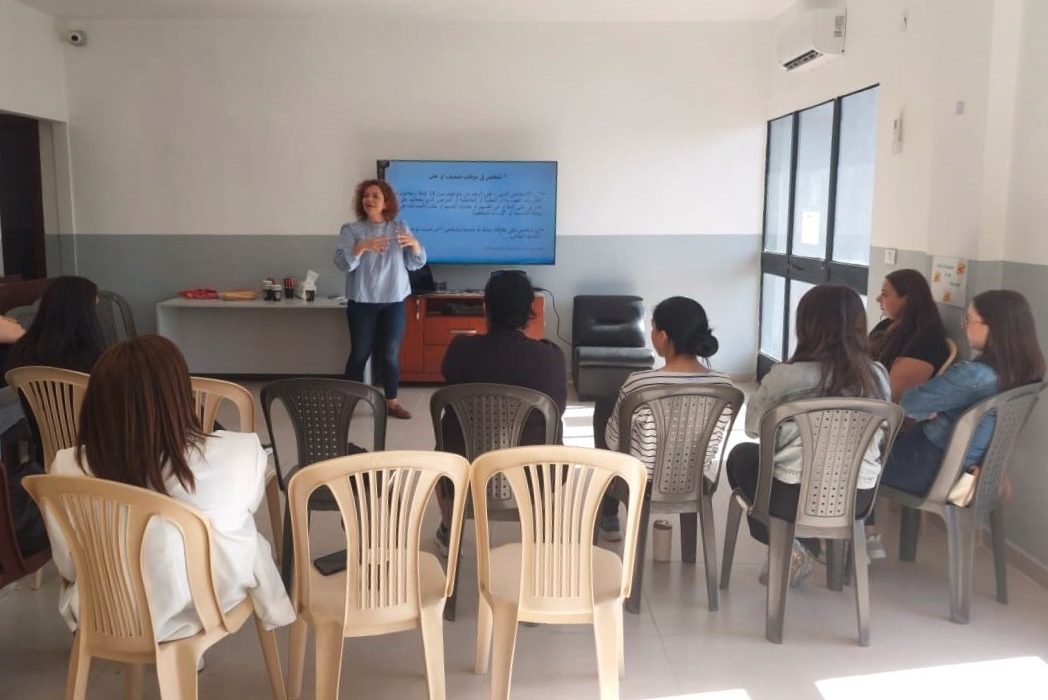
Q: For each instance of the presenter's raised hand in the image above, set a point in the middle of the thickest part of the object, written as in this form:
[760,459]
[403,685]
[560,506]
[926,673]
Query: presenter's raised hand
[370,245]
[406,240]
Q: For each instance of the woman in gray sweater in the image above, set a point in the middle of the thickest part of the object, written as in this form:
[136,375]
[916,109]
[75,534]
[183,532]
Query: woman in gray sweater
[832,359]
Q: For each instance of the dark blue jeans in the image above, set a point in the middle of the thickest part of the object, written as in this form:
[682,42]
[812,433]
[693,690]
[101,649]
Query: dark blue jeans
[378,327]
[913,462]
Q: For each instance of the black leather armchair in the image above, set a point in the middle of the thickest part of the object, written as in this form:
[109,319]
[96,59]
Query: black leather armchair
[608,344]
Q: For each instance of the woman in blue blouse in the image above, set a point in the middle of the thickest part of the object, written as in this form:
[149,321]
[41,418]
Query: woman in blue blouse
[1000,328]
[376,252]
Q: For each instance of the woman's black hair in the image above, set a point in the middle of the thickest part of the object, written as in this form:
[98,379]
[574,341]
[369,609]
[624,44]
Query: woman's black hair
[684,322]
[65,331]
[508,297]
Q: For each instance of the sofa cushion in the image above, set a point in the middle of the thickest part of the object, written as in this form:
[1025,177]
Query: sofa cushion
[634,358]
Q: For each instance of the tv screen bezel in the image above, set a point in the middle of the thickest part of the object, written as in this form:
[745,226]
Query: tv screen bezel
[382,164]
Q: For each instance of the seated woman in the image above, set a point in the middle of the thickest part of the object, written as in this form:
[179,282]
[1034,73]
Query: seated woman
[1000,327]
[911,341]
[138,427]
[504,355]
[681,335]
[831,359]
[65,331]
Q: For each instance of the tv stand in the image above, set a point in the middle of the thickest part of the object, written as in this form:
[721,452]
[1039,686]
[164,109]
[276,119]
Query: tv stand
[434,320]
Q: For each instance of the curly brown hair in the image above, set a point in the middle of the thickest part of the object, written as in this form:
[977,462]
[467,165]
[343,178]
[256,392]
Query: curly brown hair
[392,204]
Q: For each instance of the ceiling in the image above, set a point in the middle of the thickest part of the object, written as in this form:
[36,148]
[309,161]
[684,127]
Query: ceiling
[426,10]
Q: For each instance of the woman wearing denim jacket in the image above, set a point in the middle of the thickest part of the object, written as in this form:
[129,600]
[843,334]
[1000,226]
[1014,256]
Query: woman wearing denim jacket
[1000,327]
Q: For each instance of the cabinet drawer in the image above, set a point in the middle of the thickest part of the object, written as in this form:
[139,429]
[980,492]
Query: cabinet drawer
[441,330]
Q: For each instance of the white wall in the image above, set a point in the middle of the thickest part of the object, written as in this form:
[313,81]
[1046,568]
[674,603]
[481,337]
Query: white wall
[260,127]
[32,80]
[929,196]
[1028,206]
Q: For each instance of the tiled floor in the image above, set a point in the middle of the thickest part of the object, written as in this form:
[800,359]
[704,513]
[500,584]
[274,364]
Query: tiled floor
[675,647]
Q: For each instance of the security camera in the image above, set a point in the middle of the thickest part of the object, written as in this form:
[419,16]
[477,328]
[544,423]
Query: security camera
[77,37]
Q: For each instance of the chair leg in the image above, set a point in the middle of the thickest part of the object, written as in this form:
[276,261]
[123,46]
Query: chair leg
[604,630]
[328,652]
[79,668]
[38,580]
[451,606]
[908,530]
[731,533]
[287,551]
[133,681]
[960,540]
[780,549]
[271,654]
[709,549]
[432,626]
[835,564]
[273,506]
[504,641]
[176,671]
[296,652]
[688,537]
[482,655]
[1000,553]
[633,602]
[620,636]
[861,576]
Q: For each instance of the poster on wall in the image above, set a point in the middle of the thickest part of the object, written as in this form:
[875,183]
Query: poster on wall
[950,281]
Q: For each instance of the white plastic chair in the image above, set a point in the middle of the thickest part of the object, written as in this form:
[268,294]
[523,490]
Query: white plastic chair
[208,395]
[389,585]
[104,524]
[554,574]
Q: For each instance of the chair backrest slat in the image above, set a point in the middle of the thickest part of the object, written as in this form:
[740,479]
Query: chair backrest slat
[692,424]
[382,498]
[105,525]
[208,395]
[54,396]
[558,492]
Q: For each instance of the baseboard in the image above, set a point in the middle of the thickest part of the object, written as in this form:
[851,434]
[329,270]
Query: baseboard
[1017,557]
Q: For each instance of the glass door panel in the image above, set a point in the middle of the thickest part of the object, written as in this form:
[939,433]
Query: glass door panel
[812,189]
[773,300]
[777,186]
[853,212]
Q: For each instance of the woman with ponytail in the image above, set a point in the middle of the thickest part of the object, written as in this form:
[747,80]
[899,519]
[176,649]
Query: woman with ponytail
[681,335]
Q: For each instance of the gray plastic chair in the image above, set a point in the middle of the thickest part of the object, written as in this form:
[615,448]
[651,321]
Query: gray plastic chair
[491,417]
[115,319]
[1013,409]
[688,460]
[835,434]
[320,411]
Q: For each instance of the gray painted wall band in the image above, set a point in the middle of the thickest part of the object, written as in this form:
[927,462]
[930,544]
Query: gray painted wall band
[719,271]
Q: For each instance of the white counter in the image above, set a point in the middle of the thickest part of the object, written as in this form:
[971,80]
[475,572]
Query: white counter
[292,337]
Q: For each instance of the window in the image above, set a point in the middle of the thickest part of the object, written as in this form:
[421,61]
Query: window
[818,202]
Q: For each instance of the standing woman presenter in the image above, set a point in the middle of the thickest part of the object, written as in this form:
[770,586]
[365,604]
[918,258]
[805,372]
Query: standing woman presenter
[376,252]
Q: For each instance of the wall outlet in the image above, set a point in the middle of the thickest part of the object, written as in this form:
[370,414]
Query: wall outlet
[889,256]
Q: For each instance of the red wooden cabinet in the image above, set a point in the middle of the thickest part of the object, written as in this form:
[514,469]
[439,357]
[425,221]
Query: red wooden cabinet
[434,320]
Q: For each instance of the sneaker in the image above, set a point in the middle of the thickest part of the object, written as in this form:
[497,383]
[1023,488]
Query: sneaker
[875,548]
[609,529]
[442,538]
[802,563]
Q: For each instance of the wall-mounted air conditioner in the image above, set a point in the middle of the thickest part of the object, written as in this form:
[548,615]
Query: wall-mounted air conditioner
[812,38]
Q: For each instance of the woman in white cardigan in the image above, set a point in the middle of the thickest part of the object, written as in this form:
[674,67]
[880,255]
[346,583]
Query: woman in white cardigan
[138,426]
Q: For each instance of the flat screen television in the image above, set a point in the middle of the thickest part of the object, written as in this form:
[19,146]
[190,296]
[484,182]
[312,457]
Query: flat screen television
[485,212]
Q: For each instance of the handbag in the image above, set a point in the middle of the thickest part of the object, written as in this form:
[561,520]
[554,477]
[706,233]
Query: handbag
[963,492]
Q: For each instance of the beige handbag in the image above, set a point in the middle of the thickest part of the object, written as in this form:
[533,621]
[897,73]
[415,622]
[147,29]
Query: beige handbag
[963,492]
